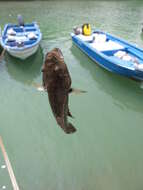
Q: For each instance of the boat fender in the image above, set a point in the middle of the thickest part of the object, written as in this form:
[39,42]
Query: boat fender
[86,29]
[10,38]
[32,36]
[20,43]
[138,66]
[120,54]
[127,58]
[123,55]
[11,32]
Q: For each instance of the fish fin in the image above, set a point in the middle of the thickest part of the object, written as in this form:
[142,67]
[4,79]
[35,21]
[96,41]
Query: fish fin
[69,129]
[39,87]
[69,114]
[76,91]
[56,68]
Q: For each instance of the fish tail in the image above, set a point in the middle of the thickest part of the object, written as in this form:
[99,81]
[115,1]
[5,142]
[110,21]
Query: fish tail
[69,129]
[69,114]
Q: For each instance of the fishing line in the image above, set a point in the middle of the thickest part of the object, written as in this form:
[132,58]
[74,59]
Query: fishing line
[9,167]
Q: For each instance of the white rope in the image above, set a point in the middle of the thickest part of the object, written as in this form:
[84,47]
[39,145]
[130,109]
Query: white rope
[9,167]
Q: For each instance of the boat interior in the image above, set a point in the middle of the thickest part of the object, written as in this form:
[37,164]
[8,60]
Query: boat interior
[15,35]
[113,48]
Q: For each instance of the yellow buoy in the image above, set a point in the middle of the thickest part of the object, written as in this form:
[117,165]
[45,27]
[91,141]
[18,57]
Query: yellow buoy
[86,29]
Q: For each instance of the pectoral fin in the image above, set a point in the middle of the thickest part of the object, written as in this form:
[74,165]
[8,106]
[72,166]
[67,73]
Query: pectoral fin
[76,91]
[39,87]
[69,114]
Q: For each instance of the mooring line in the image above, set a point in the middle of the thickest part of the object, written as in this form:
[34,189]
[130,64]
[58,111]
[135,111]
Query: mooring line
[9,167]
[2,53]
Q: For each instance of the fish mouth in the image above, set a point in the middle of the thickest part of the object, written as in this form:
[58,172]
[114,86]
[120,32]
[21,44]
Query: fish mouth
[59,53]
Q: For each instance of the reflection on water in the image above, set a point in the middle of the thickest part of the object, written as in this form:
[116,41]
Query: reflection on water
[124,91]
[24,71]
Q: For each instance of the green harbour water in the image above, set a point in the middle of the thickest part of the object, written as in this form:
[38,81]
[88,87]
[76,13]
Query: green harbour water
[106,151]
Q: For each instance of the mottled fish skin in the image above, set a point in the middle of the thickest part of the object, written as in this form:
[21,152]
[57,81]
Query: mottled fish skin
[57,82]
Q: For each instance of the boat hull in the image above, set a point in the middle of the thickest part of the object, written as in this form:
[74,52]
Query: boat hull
[107,63]
[24,54]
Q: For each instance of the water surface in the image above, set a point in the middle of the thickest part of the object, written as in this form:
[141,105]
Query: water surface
[106,151]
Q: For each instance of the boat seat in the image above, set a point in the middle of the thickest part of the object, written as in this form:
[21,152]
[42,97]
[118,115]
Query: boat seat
[106,46]
[99,38]
[30,29]
[94,37]
[85,38]
[30,42]
[11,44]
[14,43]
[24,29]
[19,38]
[29,25]
[16,29]
[10,38]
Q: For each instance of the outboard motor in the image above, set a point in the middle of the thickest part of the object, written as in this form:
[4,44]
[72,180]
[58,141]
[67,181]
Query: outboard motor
[20,20]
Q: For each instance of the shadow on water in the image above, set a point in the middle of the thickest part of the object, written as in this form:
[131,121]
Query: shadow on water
[24,71]
[124,91]
[1,49]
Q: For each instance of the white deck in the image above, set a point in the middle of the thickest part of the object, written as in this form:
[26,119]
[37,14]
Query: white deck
[106,46]
[100,43]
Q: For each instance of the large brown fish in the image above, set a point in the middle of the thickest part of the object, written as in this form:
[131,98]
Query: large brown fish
[57,82]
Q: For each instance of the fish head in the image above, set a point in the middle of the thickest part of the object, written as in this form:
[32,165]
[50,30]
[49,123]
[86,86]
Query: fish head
[58,53]
[53,60]
[53,66]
